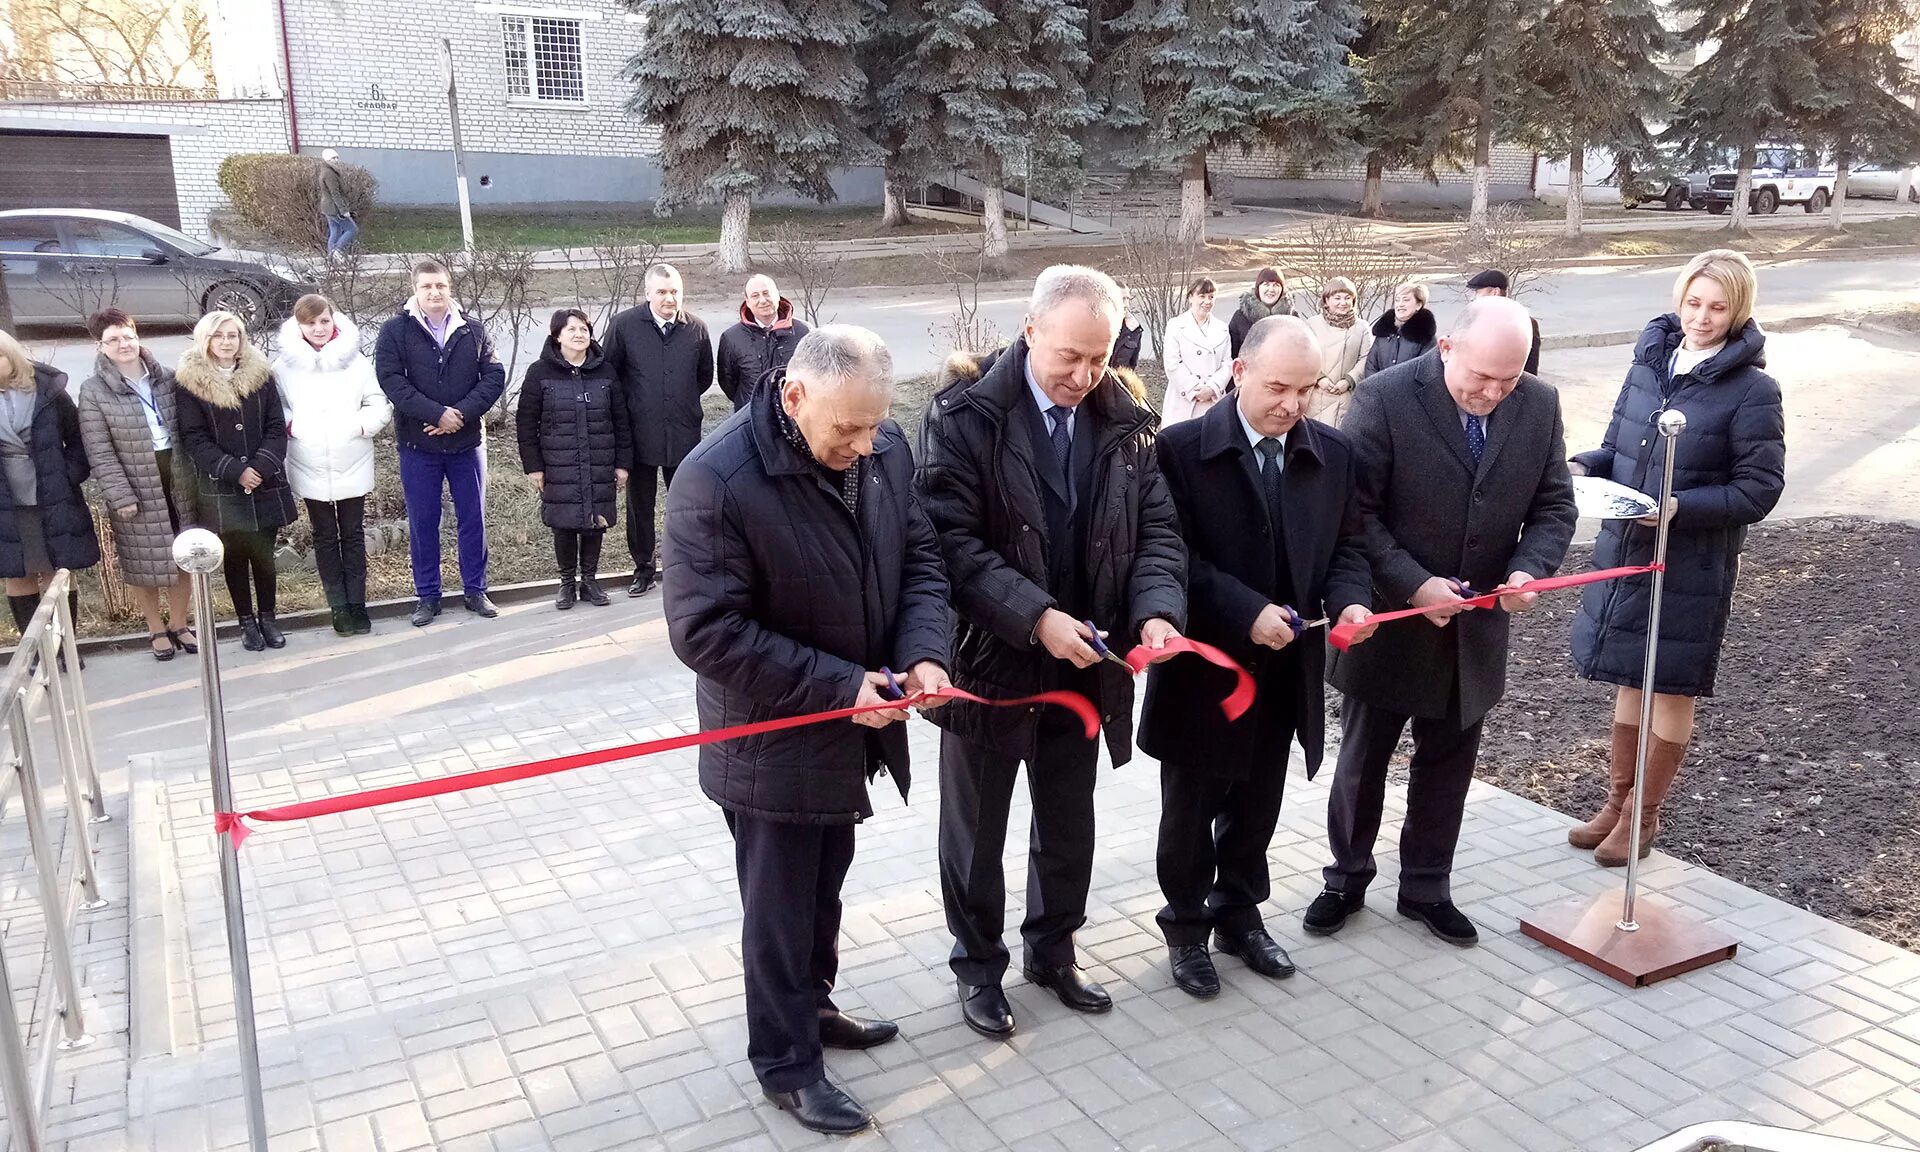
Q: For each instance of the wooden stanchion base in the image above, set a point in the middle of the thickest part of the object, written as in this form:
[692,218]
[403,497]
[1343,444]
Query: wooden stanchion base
[1666,944]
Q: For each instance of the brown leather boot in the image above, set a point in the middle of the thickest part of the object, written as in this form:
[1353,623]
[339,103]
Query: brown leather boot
[1626,742]
[1663,764]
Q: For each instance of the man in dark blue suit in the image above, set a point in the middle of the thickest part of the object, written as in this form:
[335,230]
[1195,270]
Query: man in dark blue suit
[1267,507]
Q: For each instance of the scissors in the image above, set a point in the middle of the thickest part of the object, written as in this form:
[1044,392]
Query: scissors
[894,690]
[1100,648]
[1299,625]
[1461,590]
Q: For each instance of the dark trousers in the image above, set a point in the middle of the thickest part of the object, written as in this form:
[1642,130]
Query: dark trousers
[578,552]
[790,877]
[340,548]
[249,571]
[643,493]
[463,476]
[1212,856]
[1440,773]
[976,795]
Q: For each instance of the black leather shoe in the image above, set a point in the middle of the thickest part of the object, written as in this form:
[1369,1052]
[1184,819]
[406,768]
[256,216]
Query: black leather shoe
[839,1030]
[478,604]
[343,621]
[1258,951]
[362,623]
[270,632]
[1443,920]
[424,611]
[642,583]
[250,637]
[592,593]
[986,1011]
[822,1107]
[1193,970]
[1329,911]
[563,599]
[1072,986]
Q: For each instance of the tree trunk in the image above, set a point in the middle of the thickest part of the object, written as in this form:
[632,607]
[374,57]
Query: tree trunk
[1193,200]
[1576,189]
[1372,191]
[1837,208]
[6,308]
[1742,192]
[993,207]
[893,202]
[738,208]
[1482,155]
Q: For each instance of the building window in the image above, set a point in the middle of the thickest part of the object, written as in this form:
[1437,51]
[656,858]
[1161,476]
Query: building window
[543,59]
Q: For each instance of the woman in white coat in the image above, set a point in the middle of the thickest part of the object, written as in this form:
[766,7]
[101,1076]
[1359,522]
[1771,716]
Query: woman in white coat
[1198,353]
[334,407]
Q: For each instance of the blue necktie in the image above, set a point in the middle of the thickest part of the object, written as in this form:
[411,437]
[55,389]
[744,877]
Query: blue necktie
[1476,437]
[1062,436]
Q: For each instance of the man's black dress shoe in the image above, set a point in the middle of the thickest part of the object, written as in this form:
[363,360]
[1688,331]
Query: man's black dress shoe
[1193,970]
[642,582]
[1071,985]
[1329,911]
[985,1009]
[478,604]
[822,1107]
[839,1030]
[423,613]
[1443,920]
[1258,950]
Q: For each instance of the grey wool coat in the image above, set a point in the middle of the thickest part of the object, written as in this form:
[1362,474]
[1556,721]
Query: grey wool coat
[113,427]
[1427,510]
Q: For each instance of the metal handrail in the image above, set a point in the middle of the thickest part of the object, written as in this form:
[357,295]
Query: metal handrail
[44,675]
[1739,1136]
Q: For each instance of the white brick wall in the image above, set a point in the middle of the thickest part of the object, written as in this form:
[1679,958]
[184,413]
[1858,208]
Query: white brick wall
[207,133]
[369,75]
[1511,165]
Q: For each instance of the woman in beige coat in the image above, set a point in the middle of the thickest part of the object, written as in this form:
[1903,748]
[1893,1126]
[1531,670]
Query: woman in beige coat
[127,425]
[1343,350]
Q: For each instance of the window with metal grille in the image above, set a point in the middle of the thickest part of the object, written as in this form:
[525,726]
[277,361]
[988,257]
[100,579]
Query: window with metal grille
[543,59]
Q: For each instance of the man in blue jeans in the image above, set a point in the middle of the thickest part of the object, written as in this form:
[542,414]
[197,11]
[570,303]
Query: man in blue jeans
[334,205]
[440,371]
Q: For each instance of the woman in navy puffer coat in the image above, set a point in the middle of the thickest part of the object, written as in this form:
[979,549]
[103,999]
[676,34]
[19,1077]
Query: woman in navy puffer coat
[1705,360]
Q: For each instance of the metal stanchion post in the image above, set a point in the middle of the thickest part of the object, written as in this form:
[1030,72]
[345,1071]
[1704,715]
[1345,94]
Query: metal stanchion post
[64,745]
[1672,423]
[22,1115]
[47,863]
[82,727]
[199,553]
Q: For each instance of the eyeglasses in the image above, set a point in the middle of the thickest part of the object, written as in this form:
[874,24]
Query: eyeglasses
[120,340]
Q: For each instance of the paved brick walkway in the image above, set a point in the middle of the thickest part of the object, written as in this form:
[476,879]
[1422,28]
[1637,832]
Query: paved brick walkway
[554,965]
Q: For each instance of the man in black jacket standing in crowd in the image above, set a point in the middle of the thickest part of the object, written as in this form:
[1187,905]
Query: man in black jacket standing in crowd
[664,360]
[762,340]
[799,565]
[1038,472]
[1493,282]
[1267,506]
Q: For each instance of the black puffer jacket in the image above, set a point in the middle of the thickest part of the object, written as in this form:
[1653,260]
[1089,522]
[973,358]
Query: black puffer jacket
[59,468]
[1729,473]
[780,600]
[229,423]
[749,351]
[662,377]
[1126,347]
[1399,343]
[982,489]
[572,424]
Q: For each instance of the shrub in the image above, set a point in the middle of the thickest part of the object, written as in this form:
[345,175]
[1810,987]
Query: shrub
[279,194]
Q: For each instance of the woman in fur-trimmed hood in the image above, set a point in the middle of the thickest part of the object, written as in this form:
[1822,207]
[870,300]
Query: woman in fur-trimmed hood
[233,472]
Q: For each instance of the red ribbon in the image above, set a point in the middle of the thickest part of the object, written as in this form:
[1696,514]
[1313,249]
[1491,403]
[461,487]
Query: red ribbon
[1236,703]
[1342,635]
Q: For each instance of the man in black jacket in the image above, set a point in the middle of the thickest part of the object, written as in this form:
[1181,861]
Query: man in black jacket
[664,360]
[1267,506]
[1493,282]
[1463,488]
[1037,469]
[799,565]
[763,340]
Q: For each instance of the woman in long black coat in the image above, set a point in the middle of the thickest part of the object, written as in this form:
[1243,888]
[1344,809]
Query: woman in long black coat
[1705,360]
[576,447]
[234,469]
[44,521]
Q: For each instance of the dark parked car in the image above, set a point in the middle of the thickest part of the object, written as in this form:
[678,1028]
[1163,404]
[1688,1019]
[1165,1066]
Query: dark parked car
[63,264]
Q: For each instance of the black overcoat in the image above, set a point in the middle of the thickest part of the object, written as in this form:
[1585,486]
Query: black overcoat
[1729,473]
[59,467]
[1427,510]
[572,426]
[229,423]
[1400,343]
[662,377]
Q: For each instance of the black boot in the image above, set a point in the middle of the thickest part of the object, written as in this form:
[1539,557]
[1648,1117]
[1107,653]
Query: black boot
[270,632]
[362,623]
[563,599]
[73,614]
[250,636]
[23,608]
[592,593]
[343,621]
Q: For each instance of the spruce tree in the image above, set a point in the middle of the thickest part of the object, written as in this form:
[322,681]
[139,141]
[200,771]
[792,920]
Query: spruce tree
[1394,125]
[900,117]
[1762,81]
[1594,84]
[1869,114]
[1004,81]
[1184,78]
[749,96]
